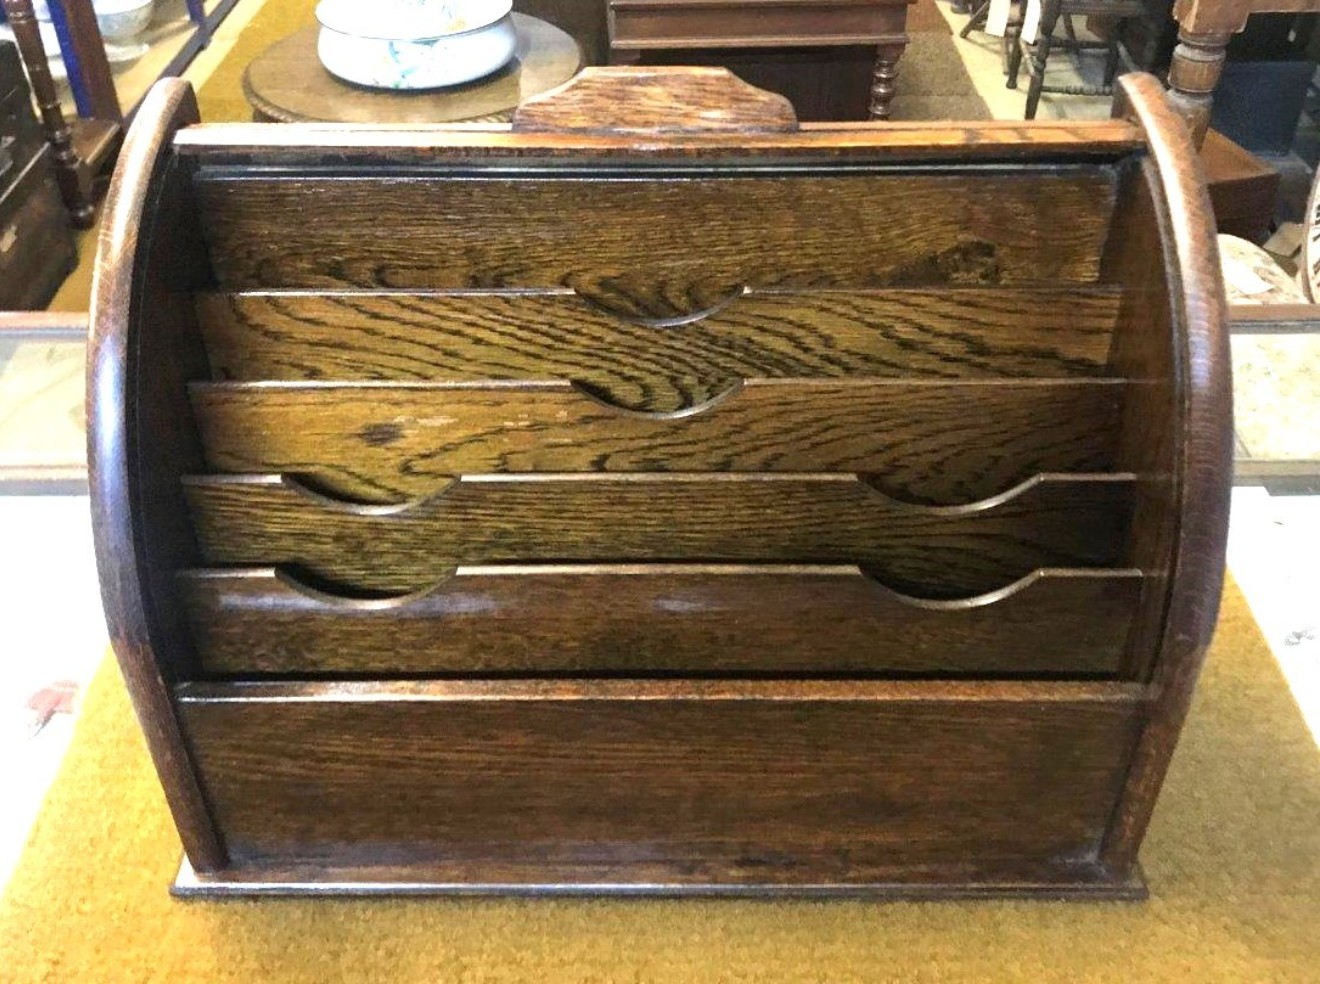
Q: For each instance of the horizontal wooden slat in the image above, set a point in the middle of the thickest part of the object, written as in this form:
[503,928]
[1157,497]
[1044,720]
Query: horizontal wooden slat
[660,619]
[684,783]
[656,244]
[311,145]
[939,443]
[941,552]
[965,333]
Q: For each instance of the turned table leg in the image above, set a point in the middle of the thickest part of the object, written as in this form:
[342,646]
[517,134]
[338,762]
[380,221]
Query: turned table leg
[1197,63]
[74,181]
[883,77]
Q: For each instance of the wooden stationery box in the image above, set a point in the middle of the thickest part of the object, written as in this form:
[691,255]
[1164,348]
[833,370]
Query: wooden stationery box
[659,496]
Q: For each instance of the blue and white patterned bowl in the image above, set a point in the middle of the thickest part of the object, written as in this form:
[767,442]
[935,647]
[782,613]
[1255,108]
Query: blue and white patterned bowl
[415,44]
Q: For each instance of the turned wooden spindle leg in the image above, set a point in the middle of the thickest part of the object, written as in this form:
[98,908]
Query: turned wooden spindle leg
[1194,72]
[883,78]
[75,182]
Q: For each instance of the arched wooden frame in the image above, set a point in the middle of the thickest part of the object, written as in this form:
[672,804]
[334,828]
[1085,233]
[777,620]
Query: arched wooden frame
[1170,343]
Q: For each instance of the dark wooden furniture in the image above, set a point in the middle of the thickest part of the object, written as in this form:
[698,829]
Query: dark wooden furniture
[1204,29]
[833,59]
[659,496]
[36,242]
[1056,13]
[79,150]
[287,84]
[1242,188]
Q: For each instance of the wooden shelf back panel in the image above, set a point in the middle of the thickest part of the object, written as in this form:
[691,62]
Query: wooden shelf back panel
[659,246]
[650,620]
[657,364]
[491,783]
[926,442]
[1055,522]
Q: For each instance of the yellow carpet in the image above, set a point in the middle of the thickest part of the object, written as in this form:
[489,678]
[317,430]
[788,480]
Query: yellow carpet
[1233,858]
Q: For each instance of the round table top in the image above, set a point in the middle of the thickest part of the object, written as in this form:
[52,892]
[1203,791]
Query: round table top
[288,84]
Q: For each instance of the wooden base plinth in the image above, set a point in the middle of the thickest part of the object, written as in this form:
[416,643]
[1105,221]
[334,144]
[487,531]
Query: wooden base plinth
[359,882]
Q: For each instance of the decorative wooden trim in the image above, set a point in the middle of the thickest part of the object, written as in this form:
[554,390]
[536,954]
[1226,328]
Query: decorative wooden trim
[655,100]
[191,884]
[309,144]
[1204,454]
[112,410]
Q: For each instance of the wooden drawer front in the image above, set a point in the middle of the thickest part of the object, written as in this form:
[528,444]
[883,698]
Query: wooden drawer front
[650,620]
[733,24]
[658,364]
[937,552]
[685,782]
[658,245]
[932,442]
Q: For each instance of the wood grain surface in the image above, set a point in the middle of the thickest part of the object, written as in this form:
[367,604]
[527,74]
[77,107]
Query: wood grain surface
[139,438]
[924,442]
[684,782]
[1201,446]
[994,142]
[660,364]
[926,551]
[648,620]
[657,246]
[655,100]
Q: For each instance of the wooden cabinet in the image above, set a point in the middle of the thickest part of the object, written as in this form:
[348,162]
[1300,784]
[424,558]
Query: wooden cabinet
[833,59]
[661,496]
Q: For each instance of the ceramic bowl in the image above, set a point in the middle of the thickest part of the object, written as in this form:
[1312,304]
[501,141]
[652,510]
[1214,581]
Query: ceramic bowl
[120,20]
[437,44]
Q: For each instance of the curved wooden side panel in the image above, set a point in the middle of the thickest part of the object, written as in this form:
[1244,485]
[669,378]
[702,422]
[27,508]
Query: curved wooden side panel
[1199,451]
[134,437]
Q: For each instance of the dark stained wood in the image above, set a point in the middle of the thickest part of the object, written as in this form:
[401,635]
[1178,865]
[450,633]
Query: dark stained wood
[1202,455]
[671,680]
[753,23]
[925,551]
[771,37]
[931,442]
[661,364]
[74,180]
[637,783]
[627,242]
[662,620]
[137,439]
[656,100]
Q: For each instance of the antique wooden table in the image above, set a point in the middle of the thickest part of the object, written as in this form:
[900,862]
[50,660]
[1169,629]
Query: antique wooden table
[1204,30]
[288,84]
[833,59]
